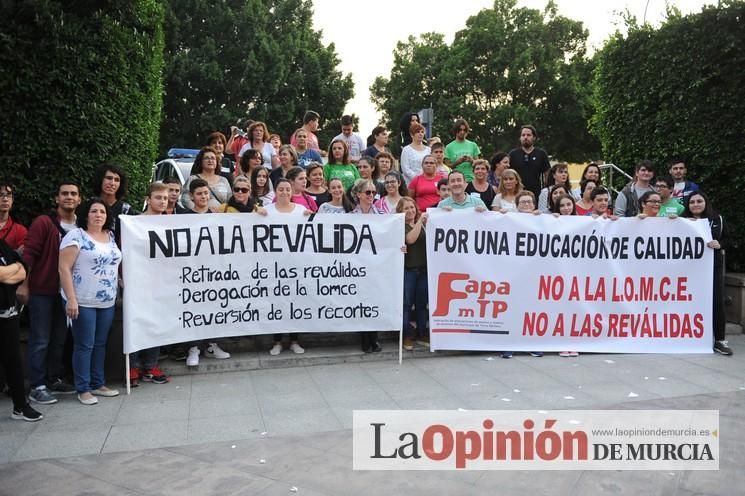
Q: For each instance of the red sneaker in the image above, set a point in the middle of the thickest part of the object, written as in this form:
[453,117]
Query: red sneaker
[155,375]
[134,377]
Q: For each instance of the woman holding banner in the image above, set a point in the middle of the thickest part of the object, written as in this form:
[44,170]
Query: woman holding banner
[525,201]
[364,192]
[698,207]
[285,205]
[339,203]
[415,273]
[510,185]
[565,205]
[241,200]
[88,268]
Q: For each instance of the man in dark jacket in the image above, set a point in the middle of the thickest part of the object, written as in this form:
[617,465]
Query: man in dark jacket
[40,290]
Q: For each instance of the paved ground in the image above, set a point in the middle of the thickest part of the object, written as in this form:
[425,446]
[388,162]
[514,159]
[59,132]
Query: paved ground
[207,434]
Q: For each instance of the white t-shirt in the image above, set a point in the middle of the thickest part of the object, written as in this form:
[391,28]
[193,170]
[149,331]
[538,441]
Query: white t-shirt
[95,273]
[411,162]
[267,152]
[354,143]
[272,209]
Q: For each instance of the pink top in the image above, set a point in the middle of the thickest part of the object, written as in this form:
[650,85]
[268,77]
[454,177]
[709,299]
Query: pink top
[426,191]
[305,200]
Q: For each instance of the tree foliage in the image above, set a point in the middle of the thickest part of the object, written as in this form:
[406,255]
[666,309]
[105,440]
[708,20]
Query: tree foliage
[234,59]
[80,85]
[509,66]
[679,92]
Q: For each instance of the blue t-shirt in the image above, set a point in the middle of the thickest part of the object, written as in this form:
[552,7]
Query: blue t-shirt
[304,159]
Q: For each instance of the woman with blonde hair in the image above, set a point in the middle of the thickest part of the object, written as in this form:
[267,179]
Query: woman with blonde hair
[510,185]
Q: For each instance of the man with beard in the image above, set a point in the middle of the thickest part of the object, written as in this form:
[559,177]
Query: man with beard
[530,162]
[682,188]
[41,291]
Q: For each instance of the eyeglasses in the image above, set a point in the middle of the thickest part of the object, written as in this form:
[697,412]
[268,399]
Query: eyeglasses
[394,182]
[654,202]
[660,186]
[370,192]
[241,190]
[525,202]
[6,195]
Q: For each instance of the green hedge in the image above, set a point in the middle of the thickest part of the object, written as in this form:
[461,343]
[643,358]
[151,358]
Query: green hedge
[80,85]
[679,91]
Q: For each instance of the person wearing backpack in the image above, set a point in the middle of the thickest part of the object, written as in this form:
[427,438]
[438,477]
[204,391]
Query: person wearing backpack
[41,292]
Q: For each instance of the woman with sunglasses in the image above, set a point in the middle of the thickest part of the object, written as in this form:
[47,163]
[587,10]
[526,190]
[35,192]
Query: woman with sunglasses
[364,192]
[240,201]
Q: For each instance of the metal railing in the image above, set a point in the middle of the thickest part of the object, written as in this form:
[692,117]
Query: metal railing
[611,169]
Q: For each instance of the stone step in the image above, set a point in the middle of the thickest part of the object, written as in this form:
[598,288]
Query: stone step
[324,355]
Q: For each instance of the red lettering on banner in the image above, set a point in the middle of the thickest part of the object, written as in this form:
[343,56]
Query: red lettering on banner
[482,289]
[446,293]
[550,288]
[574,291]
[559,326]
[428,442]
[535,323]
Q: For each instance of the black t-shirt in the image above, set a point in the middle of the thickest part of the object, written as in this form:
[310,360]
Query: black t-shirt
[416,253]
[531,167]
[486,196]
[8,256]
[320,198]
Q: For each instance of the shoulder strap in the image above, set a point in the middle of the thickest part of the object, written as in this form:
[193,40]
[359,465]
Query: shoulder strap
[57,224]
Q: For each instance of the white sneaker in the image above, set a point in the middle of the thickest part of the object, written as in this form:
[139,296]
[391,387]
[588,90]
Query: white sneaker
[214,351]
[276,349]
[297,349]
[193,359]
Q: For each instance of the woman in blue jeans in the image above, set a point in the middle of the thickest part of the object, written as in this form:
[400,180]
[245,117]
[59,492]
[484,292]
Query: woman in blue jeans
[88,265]
[415,271]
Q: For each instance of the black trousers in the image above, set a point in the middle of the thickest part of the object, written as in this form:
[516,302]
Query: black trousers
[10,356]
[718,316]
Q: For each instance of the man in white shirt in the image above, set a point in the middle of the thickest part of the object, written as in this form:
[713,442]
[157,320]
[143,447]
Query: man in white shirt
[354,142]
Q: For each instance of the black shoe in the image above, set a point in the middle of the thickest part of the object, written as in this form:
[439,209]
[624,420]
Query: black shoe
[26,413]
[376,348]
[722,347]
[61,387]
[177,353]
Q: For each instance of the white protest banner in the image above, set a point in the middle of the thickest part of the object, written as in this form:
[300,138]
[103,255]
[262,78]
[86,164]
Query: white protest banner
[191,277]
[522,282]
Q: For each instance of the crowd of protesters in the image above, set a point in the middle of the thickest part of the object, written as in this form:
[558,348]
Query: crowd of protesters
[65,267]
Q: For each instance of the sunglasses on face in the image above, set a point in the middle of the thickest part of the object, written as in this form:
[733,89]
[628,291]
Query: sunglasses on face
[370,192]
[241,190]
